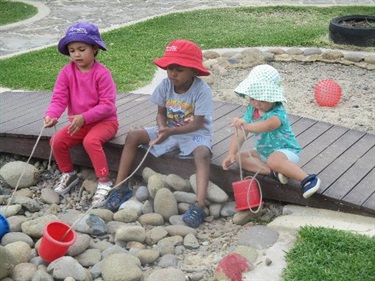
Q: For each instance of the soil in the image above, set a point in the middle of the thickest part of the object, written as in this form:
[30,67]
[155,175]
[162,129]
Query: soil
[367,23]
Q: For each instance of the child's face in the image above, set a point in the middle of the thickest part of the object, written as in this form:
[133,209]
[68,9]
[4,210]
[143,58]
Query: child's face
[181,77]
[261,105]
[82,54]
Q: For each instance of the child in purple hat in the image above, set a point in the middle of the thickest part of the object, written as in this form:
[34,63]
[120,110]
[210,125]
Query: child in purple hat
[86,88]
[184,123]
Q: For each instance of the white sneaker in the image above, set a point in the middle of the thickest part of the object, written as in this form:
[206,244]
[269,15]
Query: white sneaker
[280,177]
[101,195]
[65,183]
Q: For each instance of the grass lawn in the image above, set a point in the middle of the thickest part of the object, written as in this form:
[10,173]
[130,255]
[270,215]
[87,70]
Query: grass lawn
[131,49]
[12,11]
[329,254]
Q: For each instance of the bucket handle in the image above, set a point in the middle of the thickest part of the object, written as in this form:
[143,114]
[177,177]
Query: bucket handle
[260,194]
[252,177]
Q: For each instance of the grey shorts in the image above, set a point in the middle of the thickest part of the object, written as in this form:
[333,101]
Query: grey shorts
[186,143]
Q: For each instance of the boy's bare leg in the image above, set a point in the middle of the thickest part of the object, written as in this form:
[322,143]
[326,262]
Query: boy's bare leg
[129,152]
[202,165]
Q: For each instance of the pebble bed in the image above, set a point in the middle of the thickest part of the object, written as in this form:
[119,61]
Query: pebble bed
[145,240]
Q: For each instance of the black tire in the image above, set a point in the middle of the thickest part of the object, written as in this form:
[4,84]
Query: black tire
[341,34]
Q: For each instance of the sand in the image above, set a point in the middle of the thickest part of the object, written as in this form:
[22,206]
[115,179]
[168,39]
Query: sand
[355,109]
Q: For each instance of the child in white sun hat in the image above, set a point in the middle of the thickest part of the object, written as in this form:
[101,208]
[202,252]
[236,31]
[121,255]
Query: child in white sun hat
[276,150]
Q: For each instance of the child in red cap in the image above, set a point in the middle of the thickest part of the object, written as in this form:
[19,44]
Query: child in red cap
[184,122]
[86,88]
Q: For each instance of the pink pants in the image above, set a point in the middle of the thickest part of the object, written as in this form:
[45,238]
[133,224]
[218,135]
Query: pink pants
[92,136]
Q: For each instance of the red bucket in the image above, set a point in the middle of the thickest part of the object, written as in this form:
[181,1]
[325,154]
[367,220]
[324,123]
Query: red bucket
[246,194]
[56,241]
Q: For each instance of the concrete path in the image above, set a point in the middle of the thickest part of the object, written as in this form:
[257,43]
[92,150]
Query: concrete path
[49,25]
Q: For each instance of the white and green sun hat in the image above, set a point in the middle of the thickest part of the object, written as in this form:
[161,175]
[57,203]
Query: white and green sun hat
[262,84]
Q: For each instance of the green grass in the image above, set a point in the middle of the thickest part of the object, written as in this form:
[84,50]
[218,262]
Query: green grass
[131,49]
[12,11]
[329,254]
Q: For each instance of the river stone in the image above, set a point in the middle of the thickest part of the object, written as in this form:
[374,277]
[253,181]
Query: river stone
[148,256]
[91,224]
[178,183]
[23,271]
[11,237]
[8,262]
[80,245]
[35,228]
[259,237]
[131,233]
[89,257]
[154,184]
[20,250]
[15,223]
[142,193]
[122,267]
[65,267]
[167,274]
[151,219]
[165,203]
[126,215]
[10,210]
[214,192]
[12,171]
[155,234]
[147,173]
[41,275]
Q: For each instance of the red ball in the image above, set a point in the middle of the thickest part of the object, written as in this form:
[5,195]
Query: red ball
[327,93]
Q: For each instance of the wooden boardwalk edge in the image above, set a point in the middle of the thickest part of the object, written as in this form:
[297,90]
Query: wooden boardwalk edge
[271,189]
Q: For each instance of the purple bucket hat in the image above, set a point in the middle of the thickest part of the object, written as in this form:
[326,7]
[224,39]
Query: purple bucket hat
[81,32]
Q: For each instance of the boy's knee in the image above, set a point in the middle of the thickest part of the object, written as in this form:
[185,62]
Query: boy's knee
[202,152]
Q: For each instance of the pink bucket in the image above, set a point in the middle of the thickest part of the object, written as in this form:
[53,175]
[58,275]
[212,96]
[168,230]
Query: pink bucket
[246,194]
[56,241]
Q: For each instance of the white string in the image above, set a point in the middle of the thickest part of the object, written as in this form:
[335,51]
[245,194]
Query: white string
[117,185]
[24,169]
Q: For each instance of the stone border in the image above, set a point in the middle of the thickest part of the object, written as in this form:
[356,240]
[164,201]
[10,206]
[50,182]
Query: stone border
[219,59]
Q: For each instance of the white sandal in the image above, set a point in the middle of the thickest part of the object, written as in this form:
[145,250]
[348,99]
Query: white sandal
[101,194]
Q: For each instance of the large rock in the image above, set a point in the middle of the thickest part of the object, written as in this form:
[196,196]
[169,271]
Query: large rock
[12,171]
[165,203]
[214,193]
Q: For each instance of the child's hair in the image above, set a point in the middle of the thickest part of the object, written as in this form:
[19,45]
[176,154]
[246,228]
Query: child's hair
[184,53]
[262,84]
[81,32]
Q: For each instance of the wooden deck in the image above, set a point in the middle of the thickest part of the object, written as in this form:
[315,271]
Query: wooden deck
[343,158]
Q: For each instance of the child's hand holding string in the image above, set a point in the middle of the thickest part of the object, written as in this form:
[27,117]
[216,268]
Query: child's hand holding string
[49,122]
[238,123]
[77,121]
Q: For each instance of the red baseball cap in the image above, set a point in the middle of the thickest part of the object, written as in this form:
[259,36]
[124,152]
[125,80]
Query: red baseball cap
[184,53]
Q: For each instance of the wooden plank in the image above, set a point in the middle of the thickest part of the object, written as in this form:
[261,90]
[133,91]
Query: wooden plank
[319,145]
[338,167]
[362,191]
[355,173]
[369,205]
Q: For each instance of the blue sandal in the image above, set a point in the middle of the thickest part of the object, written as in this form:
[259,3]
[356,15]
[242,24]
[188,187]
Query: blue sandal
[194,216]
[117,197]
[310,185]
